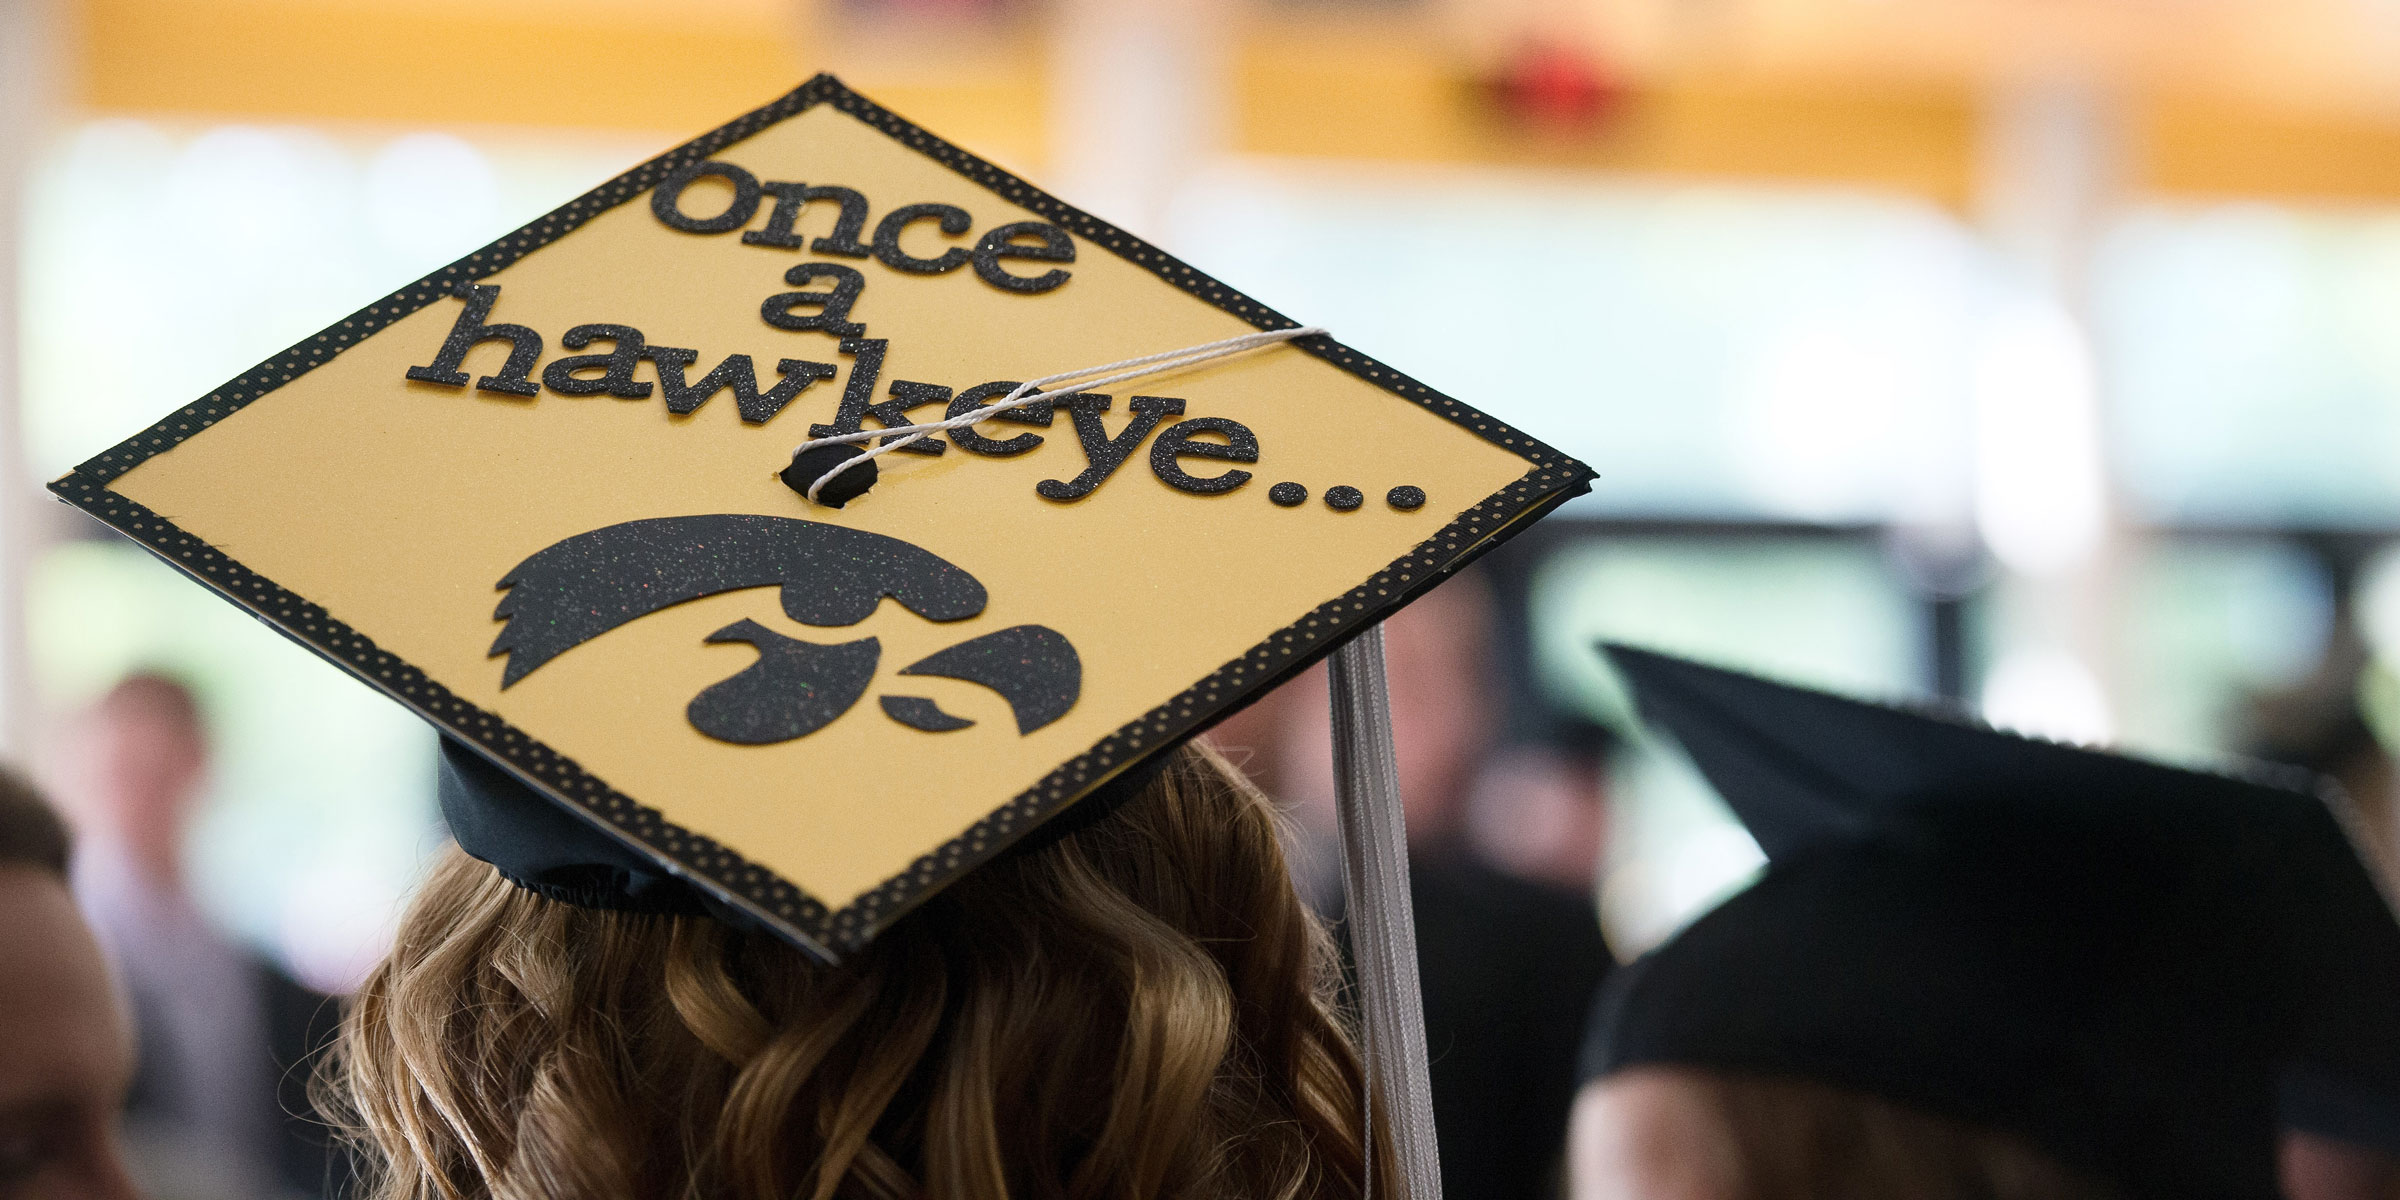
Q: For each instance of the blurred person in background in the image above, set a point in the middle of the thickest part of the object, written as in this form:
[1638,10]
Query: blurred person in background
[66,1050]
[1539,809]
[2320,726]
[218,1105]
[1983,967]
[1508,962]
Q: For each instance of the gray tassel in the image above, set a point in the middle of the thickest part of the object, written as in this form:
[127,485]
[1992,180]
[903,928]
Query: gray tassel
[1383,930]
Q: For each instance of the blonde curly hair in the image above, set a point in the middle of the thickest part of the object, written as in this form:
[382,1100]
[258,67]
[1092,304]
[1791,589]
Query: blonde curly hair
[1141,1008]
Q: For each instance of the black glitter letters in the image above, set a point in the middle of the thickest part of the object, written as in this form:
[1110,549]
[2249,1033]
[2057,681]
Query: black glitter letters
[1035,241]
[860,392]
[998,244]
[954,221]
[789,198]
[665,200]
[844,241]
[1104,454]
[736,372]
[833,308]
[469,331]
[1035,412]
[905,396]
[616,365]
[1180,440]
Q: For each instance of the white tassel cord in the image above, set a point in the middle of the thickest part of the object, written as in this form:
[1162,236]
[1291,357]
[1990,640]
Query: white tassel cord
[1383,930]
[898,436]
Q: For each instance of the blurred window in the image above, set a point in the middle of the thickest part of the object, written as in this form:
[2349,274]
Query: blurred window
[161,261]
[1718,354]
[320,805]
[2208,626]
[2250,364]
[1825,609]
[1711,351]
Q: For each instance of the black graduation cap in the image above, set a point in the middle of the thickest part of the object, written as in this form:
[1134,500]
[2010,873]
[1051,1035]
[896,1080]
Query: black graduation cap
[2146,971]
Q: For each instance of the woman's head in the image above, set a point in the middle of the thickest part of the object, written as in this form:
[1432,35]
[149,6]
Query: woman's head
[1138,1008]
[1988,975]
[2140,971]
[1682,1133]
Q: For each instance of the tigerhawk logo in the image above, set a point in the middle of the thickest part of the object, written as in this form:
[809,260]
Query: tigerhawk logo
[578,588]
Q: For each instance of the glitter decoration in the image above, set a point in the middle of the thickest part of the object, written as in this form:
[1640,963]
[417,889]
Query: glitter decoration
[907,394]
[794,689]
[954,221]
[1102,453]
[1344,498]
[1288,495]
[616,379]
[791,198]
[1033,667]
[1037,412]
[1407,497]
[666,200]
[738,373]
[1000,242]
[919,713]
[833,307]
[856,408]
[471,330]
[580,587]
[843,241]
[1181,440]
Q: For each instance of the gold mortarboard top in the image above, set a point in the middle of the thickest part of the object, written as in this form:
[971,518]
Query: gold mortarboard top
[541,495]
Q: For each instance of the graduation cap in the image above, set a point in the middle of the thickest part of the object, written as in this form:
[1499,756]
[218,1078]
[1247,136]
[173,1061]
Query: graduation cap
[2143,970]
[816,510]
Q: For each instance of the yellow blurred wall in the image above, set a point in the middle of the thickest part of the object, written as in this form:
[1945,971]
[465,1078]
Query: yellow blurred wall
[673,68]
[1794,103]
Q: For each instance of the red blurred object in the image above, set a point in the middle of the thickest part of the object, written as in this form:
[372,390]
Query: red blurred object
[1556,86]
